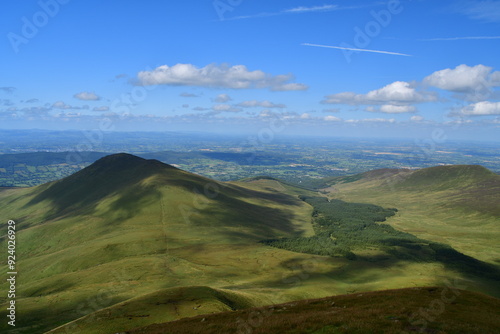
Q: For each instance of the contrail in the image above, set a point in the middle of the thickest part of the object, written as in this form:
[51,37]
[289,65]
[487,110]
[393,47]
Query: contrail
[354,49]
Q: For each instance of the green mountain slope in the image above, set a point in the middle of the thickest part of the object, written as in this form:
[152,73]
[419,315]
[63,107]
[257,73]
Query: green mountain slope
[125,227]
[455,205]
[135,239]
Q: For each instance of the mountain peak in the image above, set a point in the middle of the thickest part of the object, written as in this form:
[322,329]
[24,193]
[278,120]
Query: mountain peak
[109,175]
[120,157]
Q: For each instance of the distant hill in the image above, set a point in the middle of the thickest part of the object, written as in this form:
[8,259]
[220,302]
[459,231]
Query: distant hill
[470,187]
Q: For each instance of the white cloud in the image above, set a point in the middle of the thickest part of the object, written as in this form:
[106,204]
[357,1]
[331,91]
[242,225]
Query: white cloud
[61,105]
[263,104]
[226,108]
[102,108]
[495,78]
[332,119]
[290,87]
[394,109]
[371,120]
[221,76]
[200,109]
[36,110]
[305,116]
[416,118]
[222,98]
[482,108]
[87,96]
[463,78]
[396,93]
[184,94]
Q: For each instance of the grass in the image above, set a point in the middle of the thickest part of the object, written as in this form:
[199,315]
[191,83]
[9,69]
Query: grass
[159,306]
[128,241]
[458,206]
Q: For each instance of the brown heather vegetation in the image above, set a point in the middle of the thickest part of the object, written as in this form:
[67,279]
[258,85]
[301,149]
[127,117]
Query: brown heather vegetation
[413,310]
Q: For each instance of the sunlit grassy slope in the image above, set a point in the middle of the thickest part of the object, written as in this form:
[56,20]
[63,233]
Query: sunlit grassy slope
[456,205]
[128,242]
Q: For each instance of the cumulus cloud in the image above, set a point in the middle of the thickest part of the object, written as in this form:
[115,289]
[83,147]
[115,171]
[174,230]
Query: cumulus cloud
[332,110]
[87,96]
[220,76]
[35,111]
[61,105]
[289,87]
[188,95]
[222,98]
[482,109]
[263,104]
[200,109]
[495,78]
[225,108]
[416,118]
[463,79]
[394,109]
[332,119]
[102,108]
[397,93]
[371,120]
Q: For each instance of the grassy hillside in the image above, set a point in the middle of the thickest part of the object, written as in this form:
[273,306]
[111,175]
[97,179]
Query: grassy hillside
[455,205]
[126,226]
[128,237]
[417,310]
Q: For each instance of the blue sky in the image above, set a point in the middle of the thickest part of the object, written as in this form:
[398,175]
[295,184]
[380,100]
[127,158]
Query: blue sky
[241,66]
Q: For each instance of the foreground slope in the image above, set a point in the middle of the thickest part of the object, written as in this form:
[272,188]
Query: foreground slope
[414,310]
